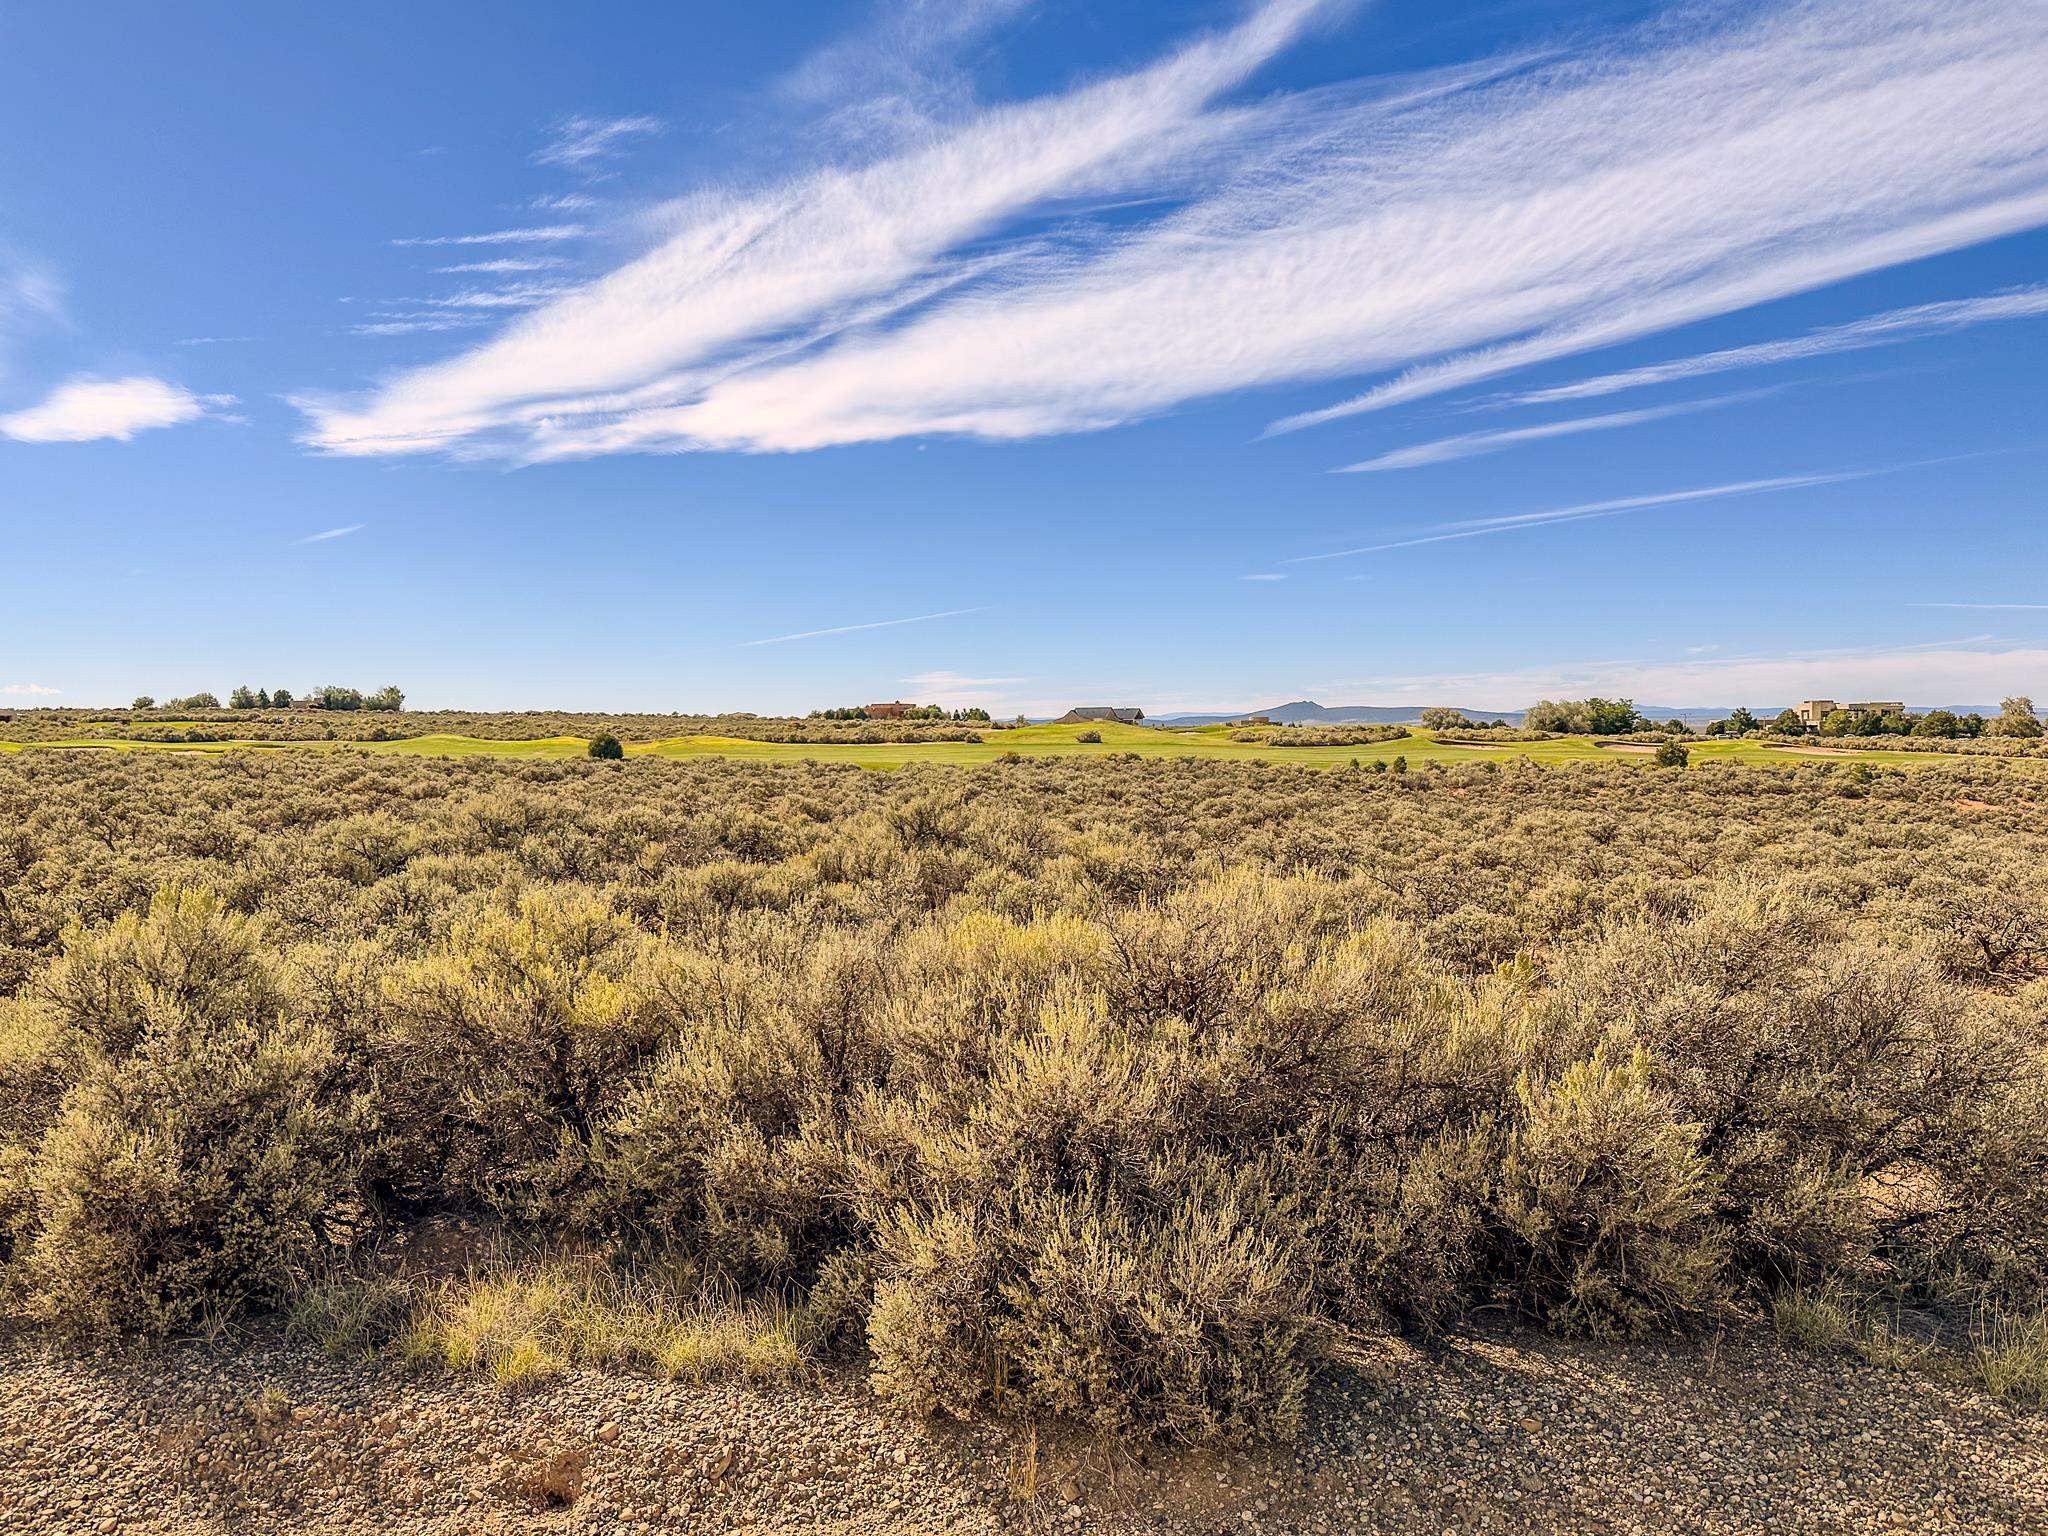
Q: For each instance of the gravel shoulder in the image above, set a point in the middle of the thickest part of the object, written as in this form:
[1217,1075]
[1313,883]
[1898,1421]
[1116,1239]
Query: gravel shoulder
[1509,1433]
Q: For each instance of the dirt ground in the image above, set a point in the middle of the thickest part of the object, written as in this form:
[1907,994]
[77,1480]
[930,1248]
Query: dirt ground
[1508,1433]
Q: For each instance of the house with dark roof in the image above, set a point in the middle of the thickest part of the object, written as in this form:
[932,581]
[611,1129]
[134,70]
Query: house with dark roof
[1100,714]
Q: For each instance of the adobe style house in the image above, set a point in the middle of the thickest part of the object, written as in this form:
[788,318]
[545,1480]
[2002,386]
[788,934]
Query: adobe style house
[1812,711]
[1100,714]
[895,711]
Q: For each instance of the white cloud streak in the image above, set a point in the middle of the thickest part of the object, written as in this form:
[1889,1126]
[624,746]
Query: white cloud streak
[416,324]
[32,690]
[621,352]
[331,533]
[518,296]
[1471,444]
[30,295]
[538,234]
[1586,511]
[847,629]
[2015,607]
[579,143]
[85,409]
[508,264]
[1456,230]
[1885,330]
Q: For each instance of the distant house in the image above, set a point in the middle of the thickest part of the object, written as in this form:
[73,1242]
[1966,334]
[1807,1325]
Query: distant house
[895,711]
[1812,711]
[1100,714]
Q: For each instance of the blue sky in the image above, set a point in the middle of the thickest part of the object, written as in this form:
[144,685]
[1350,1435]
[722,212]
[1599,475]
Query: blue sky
[1024,352]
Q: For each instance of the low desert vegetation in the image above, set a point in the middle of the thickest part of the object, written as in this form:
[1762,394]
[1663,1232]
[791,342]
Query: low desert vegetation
[1132,1092]
[1320,735]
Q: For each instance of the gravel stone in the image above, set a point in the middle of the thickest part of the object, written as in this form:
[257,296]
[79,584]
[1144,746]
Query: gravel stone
[1511,1433]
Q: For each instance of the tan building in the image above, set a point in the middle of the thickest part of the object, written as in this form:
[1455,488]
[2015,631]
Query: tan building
[1812,711]
[893,711]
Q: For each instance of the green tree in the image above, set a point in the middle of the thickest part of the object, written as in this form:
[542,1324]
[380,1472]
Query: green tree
[1611,717]
[143,701]
[1788,723]
[1719,727]
[1556,716]
[2016,718]
[282,699]
[386,698]
[244,697]
[1672,755]
[1741,721]
[1441,719]
[1837,722]
[606,748]
[333,696]
[1937,722]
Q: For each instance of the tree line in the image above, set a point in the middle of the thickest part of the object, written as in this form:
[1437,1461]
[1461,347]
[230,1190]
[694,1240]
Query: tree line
[331,696]
[2016,721]
[915,712]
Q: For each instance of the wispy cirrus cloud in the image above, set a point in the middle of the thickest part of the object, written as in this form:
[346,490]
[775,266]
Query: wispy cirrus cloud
[517,296]
[410,325]
[507,264]
[30,690]
[86,409]
[806,254]
[1889,329]
[1468,445]
[1475,223]
[331,533]
[30,295]
[901,74]
[579,143]
[1585,511]
[848,629]
[2002,607]
[532,234]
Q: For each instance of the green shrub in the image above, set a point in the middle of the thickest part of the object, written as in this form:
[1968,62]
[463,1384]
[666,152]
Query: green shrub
[606,747]
[1607,1206]
[213,1166]
[505,1048]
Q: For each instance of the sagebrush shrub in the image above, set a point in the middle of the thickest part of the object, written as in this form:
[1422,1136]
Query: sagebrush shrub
[205,1170]
[1132,1091]
[1606,1205]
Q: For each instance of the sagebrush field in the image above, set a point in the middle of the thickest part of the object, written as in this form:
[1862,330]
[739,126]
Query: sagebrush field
[1129,1091]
